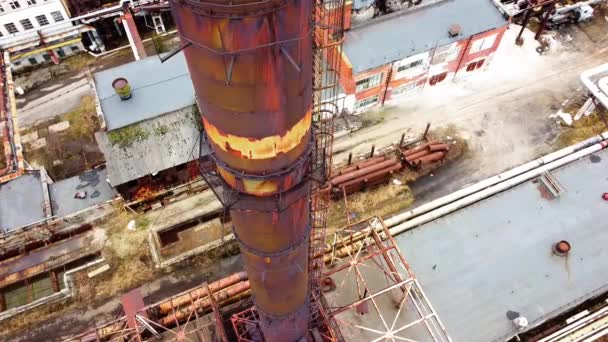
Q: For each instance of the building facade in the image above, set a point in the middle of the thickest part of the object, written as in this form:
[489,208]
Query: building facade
[38,31]
[394,56]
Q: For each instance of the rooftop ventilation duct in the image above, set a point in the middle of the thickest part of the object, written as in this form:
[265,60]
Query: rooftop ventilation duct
[122,88]
[454,30]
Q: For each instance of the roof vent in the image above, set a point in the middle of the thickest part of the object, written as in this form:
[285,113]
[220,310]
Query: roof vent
[454,30]
[122,88]
[561,248]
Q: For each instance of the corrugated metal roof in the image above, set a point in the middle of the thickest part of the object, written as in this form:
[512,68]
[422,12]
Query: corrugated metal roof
[92,182]
[157,88]
[21,201]
[177,142]
[400,35]
[494,256]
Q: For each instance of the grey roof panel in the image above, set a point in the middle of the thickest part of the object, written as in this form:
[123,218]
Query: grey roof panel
[495,255]
[400,35]
[21,201]
[157,152]
[157,88]
[93,182]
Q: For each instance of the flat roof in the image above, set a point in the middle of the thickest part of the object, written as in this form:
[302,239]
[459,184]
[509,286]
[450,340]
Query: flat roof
[170,140]
[402,34]
[495,256]
[157,88]
[21,201]
[92,182]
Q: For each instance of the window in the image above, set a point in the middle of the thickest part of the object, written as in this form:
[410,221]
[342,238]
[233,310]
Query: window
[17,63]
[14,4]
[483,44]
[27,24]
[438,78]
[370,101]
[57,16]
[60,53]
[475,65]
[446,54]
[75,48]
[32,61]
[369,82]
[11,28]
[30,2]
[1,8]
[47,57]
[410,65]
[42,20]
[404,89]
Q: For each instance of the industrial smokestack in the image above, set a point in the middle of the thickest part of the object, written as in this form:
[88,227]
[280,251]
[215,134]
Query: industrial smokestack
[251,65]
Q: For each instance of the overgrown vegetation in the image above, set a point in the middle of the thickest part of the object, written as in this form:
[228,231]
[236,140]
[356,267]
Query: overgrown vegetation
[195,116]
[126,136]
[83,119]
[161,130]
[581,129]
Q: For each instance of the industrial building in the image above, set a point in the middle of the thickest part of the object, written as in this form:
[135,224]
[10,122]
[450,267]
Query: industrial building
[150,141]
[37,31]
[399,53]
[247,102]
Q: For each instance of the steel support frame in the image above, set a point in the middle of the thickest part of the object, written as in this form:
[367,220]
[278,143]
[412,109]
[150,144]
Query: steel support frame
[378,251]
[190,329]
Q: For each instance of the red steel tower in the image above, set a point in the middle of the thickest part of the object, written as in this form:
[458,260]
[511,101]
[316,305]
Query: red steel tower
[251,65]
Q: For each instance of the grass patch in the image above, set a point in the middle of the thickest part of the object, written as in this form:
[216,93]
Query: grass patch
[126,136]
[380,201]
[83,119]
[583,129]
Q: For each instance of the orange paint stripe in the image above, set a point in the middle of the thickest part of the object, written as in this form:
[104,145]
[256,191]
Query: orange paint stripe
[265,148]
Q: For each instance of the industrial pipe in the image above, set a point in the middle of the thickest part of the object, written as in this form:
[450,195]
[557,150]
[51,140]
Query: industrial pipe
[215,286]
[204,303]
[487,192]
[362,172]
[251,65]
[395,220]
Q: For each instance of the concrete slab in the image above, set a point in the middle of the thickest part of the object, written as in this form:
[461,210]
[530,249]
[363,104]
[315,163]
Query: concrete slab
[38,143]
[60,126]
[27,138]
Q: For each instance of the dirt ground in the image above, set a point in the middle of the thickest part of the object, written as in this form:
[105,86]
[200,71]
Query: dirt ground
[69,152]
[503,113]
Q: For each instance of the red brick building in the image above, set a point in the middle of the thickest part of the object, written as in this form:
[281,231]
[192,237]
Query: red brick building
[394,55]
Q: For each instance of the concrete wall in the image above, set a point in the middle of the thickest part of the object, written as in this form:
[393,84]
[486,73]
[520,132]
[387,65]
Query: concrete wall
[404,77]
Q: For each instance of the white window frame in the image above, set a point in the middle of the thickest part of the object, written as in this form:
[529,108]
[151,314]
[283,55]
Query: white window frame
[1,8]
[365,103]
[29,24]
[14,5]
[369,82]
[57,15]
[483,44]
[409,66]
[30,2]
[404,89]
[42,22]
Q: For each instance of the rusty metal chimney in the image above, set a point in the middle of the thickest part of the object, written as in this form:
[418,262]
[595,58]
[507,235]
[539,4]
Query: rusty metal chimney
[251,65]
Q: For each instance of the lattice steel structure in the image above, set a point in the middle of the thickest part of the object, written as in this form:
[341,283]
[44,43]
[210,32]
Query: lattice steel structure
[371,278]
